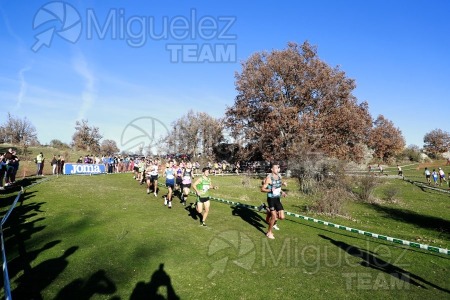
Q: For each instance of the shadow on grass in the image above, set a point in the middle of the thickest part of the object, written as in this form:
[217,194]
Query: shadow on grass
[193,213]
[36,279]
[17,230]
[440,225]
[97,284]
[360,237]
[368,259]
[250,216]
[10,193]
[151,289]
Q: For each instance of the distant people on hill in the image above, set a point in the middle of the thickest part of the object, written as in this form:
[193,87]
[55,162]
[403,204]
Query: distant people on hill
[435,176]
[2,170]
[380,167]
[40,163]
[441,176]
[427,175]
[9,163]
[13,167]
[60,162]
[400,172]
[54,164]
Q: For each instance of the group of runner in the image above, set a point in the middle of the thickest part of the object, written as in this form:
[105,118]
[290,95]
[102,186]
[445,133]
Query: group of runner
[440,174]
[179,180]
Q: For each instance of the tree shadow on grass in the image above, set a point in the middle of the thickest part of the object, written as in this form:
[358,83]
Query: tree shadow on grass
[407,216]
[151,290]
[368,259]
[97,284]
[249,216]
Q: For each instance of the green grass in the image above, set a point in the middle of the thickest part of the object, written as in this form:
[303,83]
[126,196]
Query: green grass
[103,237]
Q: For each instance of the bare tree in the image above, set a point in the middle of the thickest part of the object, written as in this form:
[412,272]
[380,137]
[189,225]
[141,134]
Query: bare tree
[194,133]
[86,138]
[109,147]
[18,132]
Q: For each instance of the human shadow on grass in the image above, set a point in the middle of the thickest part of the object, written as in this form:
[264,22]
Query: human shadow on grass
[407,216]
[8,199]
[19,184]
[193,213]
[21,224]
[97,284]
[24,260]
[151,290]
[18,229]
[35,280]
[370,260]
[249,216]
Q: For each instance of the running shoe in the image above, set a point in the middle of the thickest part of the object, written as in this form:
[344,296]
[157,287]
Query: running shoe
[275,226]
[270,236]
[261,207]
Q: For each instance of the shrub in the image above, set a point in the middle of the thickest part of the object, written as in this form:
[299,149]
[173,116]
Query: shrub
[366,186]
[390,193]
[245,181]
[331,202]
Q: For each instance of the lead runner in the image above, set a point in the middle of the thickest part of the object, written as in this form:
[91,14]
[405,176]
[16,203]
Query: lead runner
[272,186]
[202,186]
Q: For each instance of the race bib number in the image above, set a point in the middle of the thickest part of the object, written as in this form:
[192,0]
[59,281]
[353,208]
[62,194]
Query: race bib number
[276,192]
[205,188]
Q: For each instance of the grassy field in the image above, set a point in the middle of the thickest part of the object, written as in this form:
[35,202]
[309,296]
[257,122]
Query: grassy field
[103,237]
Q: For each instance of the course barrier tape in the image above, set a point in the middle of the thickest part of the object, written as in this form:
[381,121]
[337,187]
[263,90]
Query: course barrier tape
[427,186]
[350,229]
[342,227]
[6,282]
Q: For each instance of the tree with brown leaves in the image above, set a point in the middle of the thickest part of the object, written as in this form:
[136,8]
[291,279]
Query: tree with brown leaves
[290,100]
[385,139]
[437,141]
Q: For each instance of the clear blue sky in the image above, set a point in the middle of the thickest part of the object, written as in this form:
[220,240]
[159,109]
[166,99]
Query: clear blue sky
[397,51]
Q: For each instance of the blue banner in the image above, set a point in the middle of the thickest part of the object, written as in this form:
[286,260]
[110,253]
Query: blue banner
[70,169]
